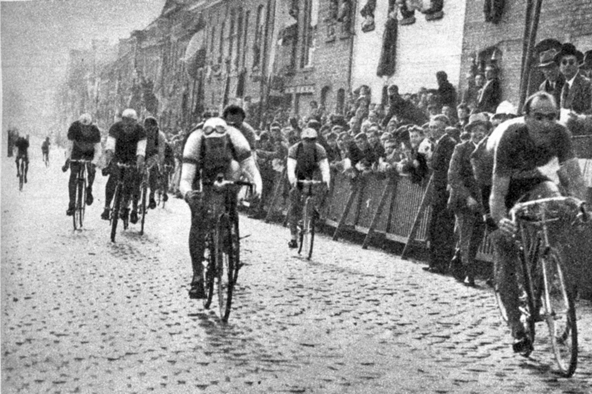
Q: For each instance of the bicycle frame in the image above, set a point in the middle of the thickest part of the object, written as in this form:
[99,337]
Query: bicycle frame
[81,186]
[117,198]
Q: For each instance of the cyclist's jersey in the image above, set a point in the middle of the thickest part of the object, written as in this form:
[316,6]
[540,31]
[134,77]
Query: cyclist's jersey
[45,146]
[83,140]
[516,156]
[126,143]
[155,144]
[214,153]
[169,155]
[307,161]
[22,145]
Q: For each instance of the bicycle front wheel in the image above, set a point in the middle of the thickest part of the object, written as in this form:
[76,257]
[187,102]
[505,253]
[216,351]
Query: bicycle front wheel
[209,270]
[22,176]
[115,211]
[80,202]
[143,207]
[560,312]
[225,265]
[307,231]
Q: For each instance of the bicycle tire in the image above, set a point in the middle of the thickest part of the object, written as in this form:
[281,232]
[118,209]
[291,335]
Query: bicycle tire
[79,200]
[560,312]
[143,207]
[209,270]
[115,211]
[302,225]
[307,230]
[529,311]
[22,175]
[224,265]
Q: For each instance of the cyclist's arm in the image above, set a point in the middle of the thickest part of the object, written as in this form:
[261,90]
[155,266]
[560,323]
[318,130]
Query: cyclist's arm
[191,154]
[291,170]
[497,200]
[141,148]
[325,171]
[570,176]
[249,168]
[69,147]
[109,149]
[98,148]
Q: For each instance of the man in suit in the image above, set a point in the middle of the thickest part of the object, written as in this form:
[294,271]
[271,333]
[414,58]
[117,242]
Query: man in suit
[441,230]
[491,94]
[465,196]
[554,80]
[576,94]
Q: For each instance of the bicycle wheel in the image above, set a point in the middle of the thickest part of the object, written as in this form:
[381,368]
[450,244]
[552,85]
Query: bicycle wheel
[143,207]
[80,200]
[209,271]
[225,256]
[115,208]
[22,175]
[560,312]
[307,230]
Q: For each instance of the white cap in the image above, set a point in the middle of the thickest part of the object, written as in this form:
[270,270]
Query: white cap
[85,119]
[309,133]
[129,113]
[506,107]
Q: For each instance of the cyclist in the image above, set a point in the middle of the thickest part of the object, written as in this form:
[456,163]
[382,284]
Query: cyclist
[304,158]
[45,149]
[532,156]
[84,144]
[126,144]
[155,150]
[22,144]
[235,116]
[210,150]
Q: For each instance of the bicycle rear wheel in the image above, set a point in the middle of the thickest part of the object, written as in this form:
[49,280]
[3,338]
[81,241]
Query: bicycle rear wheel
[307,231]
[209,270]
[22,175]
[560,312]
[143,207]
[115,208]
[225,265]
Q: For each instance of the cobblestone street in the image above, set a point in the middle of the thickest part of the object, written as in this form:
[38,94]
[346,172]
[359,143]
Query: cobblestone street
[83,315]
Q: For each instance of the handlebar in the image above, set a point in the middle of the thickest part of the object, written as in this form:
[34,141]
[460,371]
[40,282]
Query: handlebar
[552,208]
[80,161]
[309,182]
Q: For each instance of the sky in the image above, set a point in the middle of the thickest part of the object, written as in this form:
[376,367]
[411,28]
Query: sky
[36,37]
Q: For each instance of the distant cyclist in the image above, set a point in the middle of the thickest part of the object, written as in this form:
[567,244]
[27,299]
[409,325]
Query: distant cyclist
[126,144]
[45,149]
[235,116]
[84,143]
[304,159]
[155,151]
[216,148]
[22,144]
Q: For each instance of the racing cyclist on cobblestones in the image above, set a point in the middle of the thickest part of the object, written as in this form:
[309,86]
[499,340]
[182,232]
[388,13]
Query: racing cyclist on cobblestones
[22,144]
[84,143]
[126,144]
[155,150]
[532,155]
[304,158]
[216,148]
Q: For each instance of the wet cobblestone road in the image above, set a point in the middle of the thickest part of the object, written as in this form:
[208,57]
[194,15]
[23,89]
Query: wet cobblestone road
[83,315]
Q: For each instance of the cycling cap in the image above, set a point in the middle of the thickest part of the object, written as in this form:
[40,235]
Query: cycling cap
[85,119]
[130,113]
[214,124]
[308,133]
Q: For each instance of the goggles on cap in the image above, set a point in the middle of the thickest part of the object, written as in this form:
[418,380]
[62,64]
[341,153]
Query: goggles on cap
[218,129]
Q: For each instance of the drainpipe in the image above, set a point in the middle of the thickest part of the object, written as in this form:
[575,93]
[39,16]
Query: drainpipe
[531,28]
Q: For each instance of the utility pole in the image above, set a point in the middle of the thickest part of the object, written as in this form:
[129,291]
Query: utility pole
[531,25]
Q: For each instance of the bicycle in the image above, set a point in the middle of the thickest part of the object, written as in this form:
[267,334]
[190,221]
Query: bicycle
[80,196]
[117,197]
[163,184]
[46,159]
[544,280]
[306,226]
[222,251]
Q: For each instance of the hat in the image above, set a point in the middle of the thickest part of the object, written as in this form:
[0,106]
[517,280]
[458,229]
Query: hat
[587,58]
[547,58]
[313,123]
[477,119]
[567,49]
[309,132]
[505,108]
[546,44]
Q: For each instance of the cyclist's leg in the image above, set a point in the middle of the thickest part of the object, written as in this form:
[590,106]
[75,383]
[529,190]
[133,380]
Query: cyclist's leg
[153,184]
[131,190]
[109,192]
[90,179]
[505,270]
[197,233]
[295,213]
[26,159]
[74,167]
[18,167]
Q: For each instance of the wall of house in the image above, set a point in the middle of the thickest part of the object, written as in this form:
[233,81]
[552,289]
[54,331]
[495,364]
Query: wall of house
[423,48]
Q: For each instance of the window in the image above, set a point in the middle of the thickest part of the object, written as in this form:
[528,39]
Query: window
[340,101]
[310,20]
[258,43]
[324,95]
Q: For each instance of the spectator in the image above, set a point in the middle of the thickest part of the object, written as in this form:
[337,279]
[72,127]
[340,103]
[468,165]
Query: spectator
[441,230]
[446,91]
[454,133]
[403,110]
[465,197]
[450,113]
[421,151]
[554,80]
[374,142]
[333,153]
[371,120]
[367,157]
[491,93]
[463,112]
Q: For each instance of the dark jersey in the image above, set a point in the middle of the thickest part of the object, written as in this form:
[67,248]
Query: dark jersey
[527,164]
[45,146]
[22,145]
[307,160]
[126,143]
[83,140]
